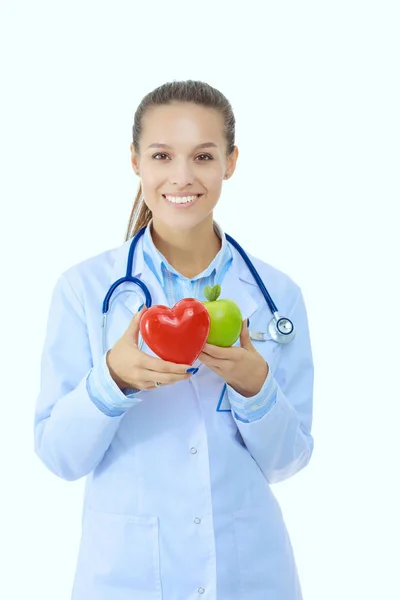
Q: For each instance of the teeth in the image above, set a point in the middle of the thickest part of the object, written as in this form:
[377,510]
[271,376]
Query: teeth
[181,200]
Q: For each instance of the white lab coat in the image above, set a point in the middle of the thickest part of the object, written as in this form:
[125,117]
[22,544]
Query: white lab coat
[178,504]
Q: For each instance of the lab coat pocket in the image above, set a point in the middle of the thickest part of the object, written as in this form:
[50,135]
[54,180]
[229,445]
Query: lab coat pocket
[119,557]
[266,561]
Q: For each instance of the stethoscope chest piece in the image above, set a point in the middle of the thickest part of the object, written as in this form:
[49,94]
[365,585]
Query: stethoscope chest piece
[281,329]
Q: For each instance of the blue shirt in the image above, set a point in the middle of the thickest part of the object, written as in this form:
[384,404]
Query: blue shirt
[113,401]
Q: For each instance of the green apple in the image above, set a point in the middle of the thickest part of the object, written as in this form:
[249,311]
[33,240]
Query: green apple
[225,317]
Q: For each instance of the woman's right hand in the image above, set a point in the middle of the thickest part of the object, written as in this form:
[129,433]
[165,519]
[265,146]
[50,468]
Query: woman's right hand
[132,368]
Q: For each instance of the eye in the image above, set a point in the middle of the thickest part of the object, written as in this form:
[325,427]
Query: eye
[204,157]
[159,154]
[207,156]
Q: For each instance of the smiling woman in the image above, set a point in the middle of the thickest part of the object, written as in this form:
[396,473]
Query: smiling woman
[181,175]
[178,500]
[192,127]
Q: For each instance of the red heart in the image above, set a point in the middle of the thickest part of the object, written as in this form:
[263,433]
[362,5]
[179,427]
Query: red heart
[176,334]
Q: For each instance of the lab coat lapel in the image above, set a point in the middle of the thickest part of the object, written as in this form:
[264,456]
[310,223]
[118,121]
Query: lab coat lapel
[235,287]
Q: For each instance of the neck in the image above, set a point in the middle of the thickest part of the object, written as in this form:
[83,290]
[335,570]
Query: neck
[189,251]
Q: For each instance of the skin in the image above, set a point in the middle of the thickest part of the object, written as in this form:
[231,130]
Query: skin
[186,237]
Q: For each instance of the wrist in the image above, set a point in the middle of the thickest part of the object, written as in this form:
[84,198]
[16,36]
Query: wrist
[256,384]
[120,382]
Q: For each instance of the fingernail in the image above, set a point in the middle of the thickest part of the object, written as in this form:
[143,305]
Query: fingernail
[194,371]
[140,308]
[248,322]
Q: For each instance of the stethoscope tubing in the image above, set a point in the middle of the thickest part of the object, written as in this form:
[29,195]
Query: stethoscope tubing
[280,336]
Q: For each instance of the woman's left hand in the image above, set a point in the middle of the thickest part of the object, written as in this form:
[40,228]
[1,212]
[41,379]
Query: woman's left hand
[244,369]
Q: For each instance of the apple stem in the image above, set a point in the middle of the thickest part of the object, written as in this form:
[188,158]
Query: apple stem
[212,293]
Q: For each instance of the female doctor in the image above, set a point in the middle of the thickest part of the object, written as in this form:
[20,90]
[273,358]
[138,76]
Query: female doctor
[178,458]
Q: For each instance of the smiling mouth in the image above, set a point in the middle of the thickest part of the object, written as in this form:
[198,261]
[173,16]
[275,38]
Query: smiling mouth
[189,199]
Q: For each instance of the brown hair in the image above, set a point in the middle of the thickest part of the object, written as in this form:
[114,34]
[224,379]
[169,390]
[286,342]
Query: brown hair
[196,92]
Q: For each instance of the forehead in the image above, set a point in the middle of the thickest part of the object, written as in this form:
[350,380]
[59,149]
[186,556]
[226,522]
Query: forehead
[182,123]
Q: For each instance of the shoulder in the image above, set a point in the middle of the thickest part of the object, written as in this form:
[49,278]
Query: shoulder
[92,275]
[98,264]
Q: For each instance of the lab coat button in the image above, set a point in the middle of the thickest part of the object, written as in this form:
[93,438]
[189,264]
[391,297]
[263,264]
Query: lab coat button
[197,520]
[193,450]
[201,590]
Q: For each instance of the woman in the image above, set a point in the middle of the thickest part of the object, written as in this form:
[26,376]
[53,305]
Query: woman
[178,502]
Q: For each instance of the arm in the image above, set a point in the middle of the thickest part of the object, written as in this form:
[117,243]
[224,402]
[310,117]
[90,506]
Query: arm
[73,429]
[279,437]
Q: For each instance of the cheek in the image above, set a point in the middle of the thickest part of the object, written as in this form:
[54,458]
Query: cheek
[151,183]
[214,175]
[212,182]
[150,178]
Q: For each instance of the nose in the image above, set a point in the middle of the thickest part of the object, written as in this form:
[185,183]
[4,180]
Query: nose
[181,173]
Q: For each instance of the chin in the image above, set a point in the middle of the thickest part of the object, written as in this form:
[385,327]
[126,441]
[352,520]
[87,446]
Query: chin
[181,220]
[181,224]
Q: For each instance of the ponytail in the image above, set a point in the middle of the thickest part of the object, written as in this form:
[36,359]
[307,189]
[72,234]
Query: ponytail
[140,216]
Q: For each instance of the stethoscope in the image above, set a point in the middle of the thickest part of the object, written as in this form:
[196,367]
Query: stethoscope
[280,329]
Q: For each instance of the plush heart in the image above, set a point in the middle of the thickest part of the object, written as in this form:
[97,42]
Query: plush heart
[176,334]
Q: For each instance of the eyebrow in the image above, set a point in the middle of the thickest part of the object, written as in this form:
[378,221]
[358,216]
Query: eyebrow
[205,145]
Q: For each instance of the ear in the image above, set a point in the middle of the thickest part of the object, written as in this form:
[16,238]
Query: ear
[231,163]
[135,160]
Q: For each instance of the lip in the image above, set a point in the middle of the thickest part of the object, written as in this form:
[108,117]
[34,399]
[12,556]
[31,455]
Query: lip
[182,206]
[182,194]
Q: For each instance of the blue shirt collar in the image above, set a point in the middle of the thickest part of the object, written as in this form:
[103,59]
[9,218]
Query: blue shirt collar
[158,263]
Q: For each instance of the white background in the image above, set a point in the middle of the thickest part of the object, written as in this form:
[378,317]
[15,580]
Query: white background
[315,89]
